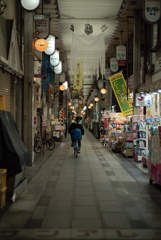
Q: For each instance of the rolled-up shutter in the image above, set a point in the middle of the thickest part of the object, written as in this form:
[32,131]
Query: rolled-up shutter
[19,105]
[5,88]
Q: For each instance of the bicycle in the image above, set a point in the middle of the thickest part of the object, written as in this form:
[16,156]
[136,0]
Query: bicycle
[50,143]
[38,145]
[76,148]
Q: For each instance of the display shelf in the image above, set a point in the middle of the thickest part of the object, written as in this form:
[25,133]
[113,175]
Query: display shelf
[139,149]
[128,150]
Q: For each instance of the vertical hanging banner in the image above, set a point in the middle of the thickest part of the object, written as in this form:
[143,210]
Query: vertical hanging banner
[43,25]
[152,10]
[114,65]
[78,81]
[120,90]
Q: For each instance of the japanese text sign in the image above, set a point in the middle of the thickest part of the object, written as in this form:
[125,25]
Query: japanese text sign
[114,65]
[121,52]
[120,90]
[152,10]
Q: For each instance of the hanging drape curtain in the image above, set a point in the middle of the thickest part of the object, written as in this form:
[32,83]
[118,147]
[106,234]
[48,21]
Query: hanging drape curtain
[90,50]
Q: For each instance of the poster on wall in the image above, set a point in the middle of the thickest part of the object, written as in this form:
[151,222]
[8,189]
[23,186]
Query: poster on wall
[152,10]
[120,90]
[43,26]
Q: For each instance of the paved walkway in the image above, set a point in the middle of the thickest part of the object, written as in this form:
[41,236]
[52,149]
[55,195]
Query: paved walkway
[99,195]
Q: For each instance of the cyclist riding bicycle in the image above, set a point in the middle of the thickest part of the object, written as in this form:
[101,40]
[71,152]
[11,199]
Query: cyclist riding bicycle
[75,130]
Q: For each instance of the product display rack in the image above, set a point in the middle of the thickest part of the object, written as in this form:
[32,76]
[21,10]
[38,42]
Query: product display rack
[128,150]
[139,141]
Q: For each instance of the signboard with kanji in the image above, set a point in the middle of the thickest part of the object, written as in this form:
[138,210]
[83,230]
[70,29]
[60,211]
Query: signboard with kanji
[107,73]
[152,10]
[78,82]
[121,52]
[43,26]
[114,65]
[120,90]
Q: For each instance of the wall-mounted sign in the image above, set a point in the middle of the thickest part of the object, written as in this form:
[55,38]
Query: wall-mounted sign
[107,73]
[41,45]
[51,45]
[54,59]
[148,100]
[139,100]
[152,10]
[121,52]
[114,65]
[120,90]
[58,69]
[43,25]
[121,63]
[30,5]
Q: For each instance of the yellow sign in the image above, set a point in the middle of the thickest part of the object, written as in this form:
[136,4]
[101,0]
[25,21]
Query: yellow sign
[120,90]
[78,76]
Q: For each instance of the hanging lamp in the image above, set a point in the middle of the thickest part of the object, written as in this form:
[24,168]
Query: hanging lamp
[62,87]
[96,99]
[41,45]
[103,90]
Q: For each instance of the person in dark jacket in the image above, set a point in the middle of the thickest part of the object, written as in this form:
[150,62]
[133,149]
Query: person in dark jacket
[75,126]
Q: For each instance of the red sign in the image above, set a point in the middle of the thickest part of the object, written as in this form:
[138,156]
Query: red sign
[38,75]
[122,63]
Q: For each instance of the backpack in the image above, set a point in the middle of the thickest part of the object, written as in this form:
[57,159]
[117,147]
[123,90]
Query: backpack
[76,134]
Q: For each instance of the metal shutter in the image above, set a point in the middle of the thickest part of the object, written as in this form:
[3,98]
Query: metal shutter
[19,106]
[5,88]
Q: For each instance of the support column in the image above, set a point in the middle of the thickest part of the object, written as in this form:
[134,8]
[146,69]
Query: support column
[28,83]
[136,57]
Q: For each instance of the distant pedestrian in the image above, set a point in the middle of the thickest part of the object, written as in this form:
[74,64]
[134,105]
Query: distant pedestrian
[66,127]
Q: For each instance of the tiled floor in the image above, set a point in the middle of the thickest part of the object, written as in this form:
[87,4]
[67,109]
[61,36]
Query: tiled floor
[99,195]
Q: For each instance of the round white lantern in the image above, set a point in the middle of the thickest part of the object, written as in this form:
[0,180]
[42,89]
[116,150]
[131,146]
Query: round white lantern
[30,5]
[54,58]
[51,45]
[58,69]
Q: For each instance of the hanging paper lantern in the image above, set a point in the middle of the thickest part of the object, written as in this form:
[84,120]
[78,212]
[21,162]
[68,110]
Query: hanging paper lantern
[69,104]
[71,107]
[41,45]
[89,107]
[103,90]
[54,58]
[30,5]
[62,87]
[84,113]
[65,85]
[51,45]
[91,104]
[58,69]
[96,99]
[72,111]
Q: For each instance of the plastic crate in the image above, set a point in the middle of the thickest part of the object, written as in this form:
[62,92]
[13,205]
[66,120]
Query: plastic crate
[3,178]
[2,197]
